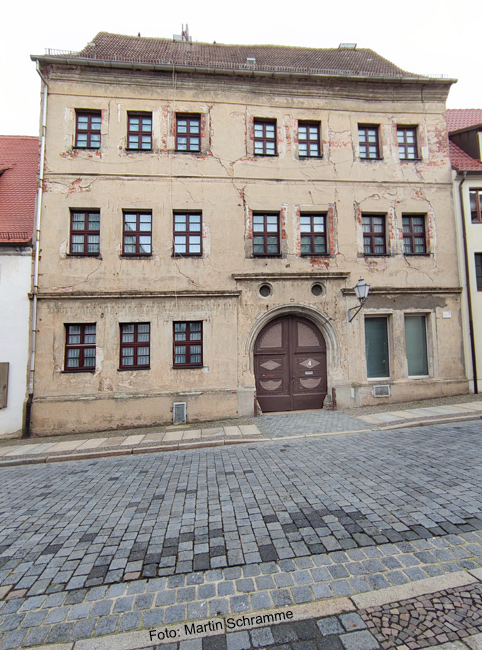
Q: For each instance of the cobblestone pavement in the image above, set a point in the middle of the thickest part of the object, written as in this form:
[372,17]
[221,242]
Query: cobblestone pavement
[114,545]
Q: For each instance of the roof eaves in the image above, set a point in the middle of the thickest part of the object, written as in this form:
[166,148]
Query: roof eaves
[248,71]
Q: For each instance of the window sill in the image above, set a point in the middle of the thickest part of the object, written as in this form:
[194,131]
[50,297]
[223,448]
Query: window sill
[378,379]
[133,368]
[134,256]
[310,157]
[370,159]
[71,370]
[416,255]
[375,255]
[315,255]
[196,152]
[139,151]
[402,160]
[86,148]
[265,155]
[190,255]
[94,255]
[188,367]
[265,255]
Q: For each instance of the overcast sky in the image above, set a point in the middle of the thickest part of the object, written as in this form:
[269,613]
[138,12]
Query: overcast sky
[422,36]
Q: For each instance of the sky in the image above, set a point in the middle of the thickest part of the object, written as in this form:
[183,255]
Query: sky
[422,36]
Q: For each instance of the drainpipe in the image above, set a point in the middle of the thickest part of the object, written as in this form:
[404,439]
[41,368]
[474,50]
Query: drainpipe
[467,280]
[38,214]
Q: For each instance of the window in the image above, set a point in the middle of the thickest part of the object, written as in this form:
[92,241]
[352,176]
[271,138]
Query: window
[407,142]
[309,139]
[414,235]
[187,234]
[84,232]
[188,133]
[368,142]
[374,242]
[476,205]
[266,234]
[416,345]
[313,234]
[80,347]
[265,137]
[478,270]
[87,135]
[139,131]
[137,233]
[188,344]
[135,345]
[376,347]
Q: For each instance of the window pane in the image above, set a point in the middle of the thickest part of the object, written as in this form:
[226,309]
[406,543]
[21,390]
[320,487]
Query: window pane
[376,346]
[416,345]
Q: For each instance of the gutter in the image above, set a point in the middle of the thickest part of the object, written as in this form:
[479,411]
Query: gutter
[467,280]
[38,216]
[200,69]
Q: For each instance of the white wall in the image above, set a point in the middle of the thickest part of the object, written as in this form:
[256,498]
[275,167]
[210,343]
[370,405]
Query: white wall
[15,274]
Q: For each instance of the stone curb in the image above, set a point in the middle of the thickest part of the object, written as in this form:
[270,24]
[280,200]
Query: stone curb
[126,452]
[226,442]
[413,589]
[324,608]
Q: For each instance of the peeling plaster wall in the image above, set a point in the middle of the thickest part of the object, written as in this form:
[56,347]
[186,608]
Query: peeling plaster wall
[228,184]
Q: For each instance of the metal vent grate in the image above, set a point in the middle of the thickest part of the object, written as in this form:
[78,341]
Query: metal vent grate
[381,391]
[179,412]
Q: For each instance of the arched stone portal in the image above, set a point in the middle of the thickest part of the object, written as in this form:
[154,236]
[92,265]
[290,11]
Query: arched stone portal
[290,365]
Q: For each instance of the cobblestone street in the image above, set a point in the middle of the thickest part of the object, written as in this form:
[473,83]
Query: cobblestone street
[121,545]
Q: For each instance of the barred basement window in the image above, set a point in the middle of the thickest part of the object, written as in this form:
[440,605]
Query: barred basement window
[84,232]
[313,234]
[135,345]
[265,137]
[188,344]
[139,131]
[87,133]
[137,235]
[80,347]
[414,242]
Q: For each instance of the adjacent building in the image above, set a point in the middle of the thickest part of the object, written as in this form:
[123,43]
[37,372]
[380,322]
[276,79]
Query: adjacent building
[465,134]
[207,210]
[19,157]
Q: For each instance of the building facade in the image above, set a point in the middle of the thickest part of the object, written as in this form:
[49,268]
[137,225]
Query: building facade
[207,211]
[465,134]
[18,190]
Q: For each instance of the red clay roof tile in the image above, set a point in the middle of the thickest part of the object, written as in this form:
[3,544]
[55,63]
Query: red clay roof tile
[19,158]
[462,118]
[134,49]
[461,161]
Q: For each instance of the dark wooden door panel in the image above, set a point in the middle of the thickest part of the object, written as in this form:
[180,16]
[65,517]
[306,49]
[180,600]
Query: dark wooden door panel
[290,365]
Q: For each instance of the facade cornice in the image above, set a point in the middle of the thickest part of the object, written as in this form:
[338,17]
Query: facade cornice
[256,277]
[123,295]
[407,290]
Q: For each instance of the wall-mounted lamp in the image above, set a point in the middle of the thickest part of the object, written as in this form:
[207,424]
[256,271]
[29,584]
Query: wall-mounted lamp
[361,291]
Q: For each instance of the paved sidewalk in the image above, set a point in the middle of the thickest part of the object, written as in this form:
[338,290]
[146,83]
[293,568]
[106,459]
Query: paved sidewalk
[266,427]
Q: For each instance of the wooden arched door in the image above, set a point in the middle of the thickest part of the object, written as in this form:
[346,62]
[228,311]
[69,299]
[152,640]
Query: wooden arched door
[290,365]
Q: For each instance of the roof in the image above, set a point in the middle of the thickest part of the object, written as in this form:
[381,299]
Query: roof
[19,158]
[461,161]
[268,58]
[463,118]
